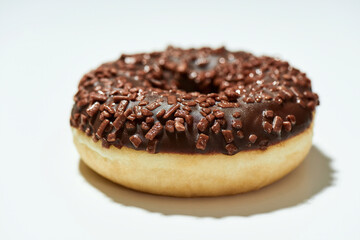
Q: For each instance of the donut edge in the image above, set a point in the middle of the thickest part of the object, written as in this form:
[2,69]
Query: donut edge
[186,175]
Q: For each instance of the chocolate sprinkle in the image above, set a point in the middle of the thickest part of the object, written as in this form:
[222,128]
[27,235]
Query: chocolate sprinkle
[240,134]
[151,147]
[160,113]
[153,106]
[111,137]
[202,141]
[252,138]
[228,135]
[287,126]
[101,128]
[202,125]
[135,140]
[267,126]
[170,126]
[155,130]
[145,126]
[121,107]
[171,99]
[277,124]
[179,126]
[119,121]
[216,127]
[219,114]
[237,124]
[171,111]
[291,118]
[268,113]
[93,109]
[193,94]
[236,114]
[231,148]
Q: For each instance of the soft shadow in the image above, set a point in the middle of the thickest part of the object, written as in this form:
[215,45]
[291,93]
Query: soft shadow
[310,178]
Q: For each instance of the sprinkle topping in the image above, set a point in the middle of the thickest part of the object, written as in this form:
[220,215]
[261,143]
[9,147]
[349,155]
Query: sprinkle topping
[193,101]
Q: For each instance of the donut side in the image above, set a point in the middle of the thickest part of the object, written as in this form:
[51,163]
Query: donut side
[194,175]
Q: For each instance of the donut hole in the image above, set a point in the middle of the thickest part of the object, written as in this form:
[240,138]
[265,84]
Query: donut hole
[189,85]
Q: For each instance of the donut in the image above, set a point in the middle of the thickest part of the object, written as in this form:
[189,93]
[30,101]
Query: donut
[194,122]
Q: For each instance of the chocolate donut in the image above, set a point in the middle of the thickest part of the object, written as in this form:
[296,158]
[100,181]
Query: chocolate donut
[191,104]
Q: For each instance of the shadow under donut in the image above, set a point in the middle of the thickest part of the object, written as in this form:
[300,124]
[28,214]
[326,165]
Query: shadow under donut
[310,178]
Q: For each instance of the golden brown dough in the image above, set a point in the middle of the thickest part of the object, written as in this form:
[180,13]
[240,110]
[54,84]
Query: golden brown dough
[190,175]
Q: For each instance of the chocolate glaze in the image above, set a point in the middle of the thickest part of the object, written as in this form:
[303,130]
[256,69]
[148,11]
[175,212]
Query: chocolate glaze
[193,101]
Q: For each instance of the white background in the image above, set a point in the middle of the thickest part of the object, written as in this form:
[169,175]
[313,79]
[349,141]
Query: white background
[46,47]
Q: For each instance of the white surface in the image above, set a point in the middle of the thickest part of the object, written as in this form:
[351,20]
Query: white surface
[45,48]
